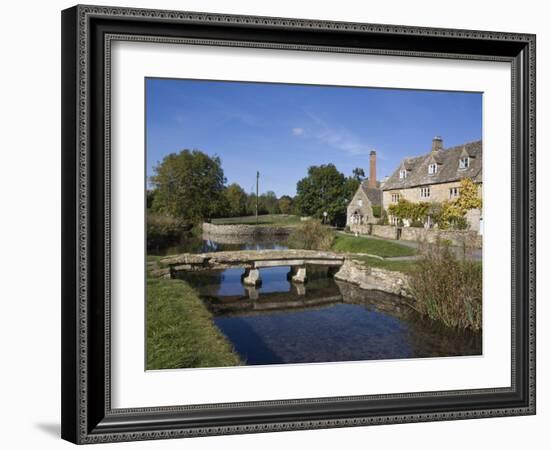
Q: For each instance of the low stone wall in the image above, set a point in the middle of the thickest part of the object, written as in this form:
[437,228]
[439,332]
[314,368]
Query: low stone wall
[246,230]
[364,228]
[456,237]
[373,278]
[384,231]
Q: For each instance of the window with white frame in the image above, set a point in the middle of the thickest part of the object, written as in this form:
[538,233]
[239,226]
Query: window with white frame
[454,192]
[360,203]
[395,198]
[402,174]
[464,162]
[432,168]
[424,192]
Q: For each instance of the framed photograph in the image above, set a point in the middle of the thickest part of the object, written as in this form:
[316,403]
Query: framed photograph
[278,224]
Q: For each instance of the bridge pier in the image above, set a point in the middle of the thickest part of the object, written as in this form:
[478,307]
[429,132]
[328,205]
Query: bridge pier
[300,289]
[253,293]
[251,277]
[297,274]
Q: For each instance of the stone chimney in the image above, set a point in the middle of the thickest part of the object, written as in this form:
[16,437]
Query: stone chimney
[372,174]
[437,144]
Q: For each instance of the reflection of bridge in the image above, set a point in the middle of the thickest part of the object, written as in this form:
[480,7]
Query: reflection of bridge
[321,294]
[253,260]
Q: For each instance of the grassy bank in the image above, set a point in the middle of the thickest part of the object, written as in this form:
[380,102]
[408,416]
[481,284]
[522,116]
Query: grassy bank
[180,331]
[266,219]
[388,264]
[360,244]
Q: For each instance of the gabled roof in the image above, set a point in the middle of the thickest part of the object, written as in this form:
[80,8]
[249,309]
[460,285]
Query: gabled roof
[373,194]
[447,167]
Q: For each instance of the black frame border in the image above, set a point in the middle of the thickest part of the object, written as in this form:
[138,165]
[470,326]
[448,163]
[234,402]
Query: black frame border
[87,32]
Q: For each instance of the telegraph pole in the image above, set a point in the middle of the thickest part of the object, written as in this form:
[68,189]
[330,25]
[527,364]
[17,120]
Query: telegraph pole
[257,196]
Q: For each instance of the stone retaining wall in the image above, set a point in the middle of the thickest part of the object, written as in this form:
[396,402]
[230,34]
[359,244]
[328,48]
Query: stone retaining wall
[456,237]
[246,230]
[384,231]
[373,278]
[468,237]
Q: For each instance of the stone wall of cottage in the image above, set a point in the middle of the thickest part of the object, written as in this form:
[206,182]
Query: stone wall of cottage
[361,203]
[438,193]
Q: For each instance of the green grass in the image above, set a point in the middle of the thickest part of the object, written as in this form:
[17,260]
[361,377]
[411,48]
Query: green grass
[266,219]
[378,247]
[180,330]
[397,266]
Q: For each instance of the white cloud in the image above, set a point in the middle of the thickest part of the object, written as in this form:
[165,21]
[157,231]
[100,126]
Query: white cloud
[297,131]
[339,137]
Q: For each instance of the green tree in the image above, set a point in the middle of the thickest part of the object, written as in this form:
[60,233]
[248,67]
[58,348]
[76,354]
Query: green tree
[358,174]
[150,198]
[285,204]
[269,203]
[189,185]
[324,189]
[236,200]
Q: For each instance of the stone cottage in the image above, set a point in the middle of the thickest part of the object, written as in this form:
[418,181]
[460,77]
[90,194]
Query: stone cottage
[368,194]
[435,177]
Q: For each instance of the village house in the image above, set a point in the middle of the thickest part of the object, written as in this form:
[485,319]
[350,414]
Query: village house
[369,194]
[435,177]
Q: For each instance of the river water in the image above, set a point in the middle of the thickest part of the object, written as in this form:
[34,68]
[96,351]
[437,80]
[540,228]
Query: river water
[322,321]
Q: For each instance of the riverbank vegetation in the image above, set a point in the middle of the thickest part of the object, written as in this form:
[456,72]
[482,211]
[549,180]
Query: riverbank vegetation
[164,230]
[311,235]
[447,288]
[180,330]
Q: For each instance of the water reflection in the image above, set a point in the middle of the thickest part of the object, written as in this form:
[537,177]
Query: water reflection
[322,321]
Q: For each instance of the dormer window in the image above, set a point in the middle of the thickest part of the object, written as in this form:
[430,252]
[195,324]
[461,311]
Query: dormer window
[464,162]
[432,168]
[402,174]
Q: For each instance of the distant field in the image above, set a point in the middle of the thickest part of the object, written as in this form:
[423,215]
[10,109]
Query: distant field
[266,219]
[386,249]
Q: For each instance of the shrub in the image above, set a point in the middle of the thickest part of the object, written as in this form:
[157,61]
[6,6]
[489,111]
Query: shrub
[311,235]
[447,289]
[377,211]
[164,230]
[384,220]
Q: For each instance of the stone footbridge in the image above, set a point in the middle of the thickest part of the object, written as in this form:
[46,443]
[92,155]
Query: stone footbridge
[251,261]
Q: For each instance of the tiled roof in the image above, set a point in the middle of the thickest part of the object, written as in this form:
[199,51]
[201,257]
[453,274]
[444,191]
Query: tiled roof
[373,194]
[447,167]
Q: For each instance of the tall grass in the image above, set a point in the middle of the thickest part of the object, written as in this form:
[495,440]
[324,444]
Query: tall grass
[311,235]
[447,288]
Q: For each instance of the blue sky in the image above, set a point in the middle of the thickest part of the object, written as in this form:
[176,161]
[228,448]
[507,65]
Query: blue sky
[282,129]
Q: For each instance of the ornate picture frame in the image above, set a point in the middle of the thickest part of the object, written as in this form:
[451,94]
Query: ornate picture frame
[87,35]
